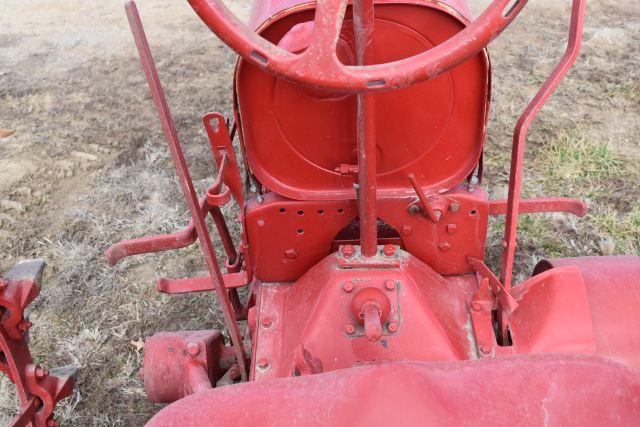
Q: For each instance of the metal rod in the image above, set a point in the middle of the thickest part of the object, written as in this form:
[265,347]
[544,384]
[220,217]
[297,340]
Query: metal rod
[519,141]
[363,21]
[185,180]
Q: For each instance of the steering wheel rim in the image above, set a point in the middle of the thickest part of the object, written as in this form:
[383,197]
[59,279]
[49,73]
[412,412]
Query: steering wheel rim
[318,66]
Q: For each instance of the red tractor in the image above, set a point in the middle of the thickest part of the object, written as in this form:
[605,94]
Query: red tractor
[357,292]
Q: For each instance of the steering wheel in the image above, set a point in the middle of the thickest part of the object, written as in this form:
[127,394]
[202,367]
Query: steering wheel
[318,66]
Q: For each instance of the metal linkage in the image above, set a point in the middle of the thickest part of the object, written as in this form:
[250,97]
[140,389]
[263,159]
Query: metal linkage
[182,170]
[519,141]
[38,389]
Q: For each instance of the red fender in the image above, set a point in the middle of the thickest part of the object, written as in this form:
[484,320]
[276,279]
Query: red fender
[524,390]
[613,291]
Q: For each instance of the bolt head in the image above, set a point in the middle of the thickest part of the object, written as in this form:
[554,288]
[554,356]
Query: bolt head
[263,364]
[41,372]
[291,254]
[389,250]
[347,286]
[350,329]
[193,349]
[392,327]
[348,251]
[454,206]
[390,284]
[476,306]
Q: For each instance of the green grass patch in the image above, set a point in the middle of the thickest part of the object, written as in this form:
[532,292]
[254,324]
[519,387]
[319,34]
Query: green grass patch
[622,229]
[628,91]
[573,164]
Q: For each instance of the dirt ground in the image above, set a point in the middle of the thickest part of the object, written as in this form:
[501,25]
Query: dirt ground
[87,166]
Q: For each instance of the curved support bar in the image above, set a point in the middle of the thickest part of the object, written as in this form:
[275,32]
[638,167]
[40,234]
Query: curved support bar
[145,245]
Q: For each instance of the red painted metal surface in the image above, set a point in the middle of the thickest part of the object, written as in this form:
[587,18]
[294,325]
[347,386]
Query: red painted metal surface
[38,389]
[319,67]
[416,129]
[363,238]
[527,391]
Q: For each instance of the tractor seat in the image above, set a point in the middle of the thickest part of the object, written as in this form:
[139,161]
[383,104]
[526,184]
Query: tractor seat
[301,143]
[525,390]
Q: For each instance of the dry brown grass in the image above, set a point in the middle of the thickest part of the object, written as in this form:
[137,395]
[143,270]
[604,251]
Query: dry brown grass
[66,90]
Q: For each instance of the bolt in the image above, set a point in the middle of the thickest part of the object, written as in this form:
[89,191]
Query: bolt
[485,350]
[389,250]
[390,284]
[263,364]
[444,246]
[454,206]
[347,286]
[414,209]
[193,349]
[348,251]
[267,322]
[350,329]
[392,327]
[41,372]
[476,306]
[291,254]
[259,199]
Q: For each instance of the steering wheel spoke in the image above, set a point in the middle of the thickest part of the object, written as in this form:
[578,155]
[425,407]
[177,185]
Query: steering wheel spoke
[327,25]
[319,67]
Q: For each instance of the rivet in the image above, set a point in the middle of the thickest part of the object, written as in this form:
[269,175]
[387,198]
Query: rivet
[414,209]
[193,349]
[291,254]
[349,328]
[476,306]
[392,327]
[444,246]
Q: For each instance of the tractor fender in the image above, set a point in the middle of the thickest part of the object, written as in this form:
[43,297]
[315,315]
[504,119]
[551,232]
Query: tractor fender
[613,291]
[530,390]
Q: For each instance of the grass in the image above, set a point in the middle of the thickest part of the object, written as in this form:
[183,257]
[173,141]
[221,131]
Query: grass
[575,164]
[621,230]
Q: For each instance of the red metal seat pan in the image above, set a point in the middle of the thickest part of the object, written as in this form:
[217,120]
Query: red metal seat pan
[555,390]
